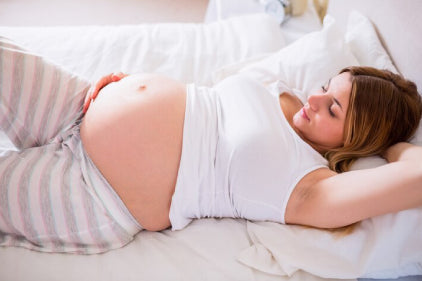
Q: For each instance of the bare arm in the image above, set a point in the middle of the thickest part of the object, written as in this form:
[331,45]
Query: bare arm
[335,200]
[404,152]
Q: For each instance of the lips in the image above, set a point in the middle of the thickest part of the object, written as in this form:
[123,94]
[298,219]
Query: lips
[303,114]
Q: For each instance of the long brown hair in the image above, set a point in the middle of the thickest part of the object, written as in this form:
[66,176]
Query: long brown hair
[384,109]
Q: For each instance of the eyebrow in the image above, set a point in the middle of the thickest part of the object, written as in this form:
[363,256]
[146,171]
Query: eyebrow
[338,103]
[328,83]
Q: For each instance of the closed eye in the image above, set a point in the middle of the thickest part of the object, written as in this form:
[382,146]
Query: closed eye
[330,111]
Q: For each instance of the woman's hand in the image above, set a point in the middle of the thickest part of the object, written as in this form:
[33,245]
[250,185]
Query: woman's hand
[104,81]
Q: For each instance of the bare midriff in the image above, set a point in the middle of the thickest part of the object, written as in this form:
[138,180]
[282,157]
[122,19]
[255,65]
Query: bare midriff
[133,133]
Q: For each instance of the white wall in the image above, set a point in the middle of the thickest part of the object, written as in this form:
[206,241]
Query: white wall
[86,12]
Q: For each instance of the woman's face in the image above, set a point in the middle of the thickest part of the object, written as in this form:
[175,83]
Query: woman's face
[320,122]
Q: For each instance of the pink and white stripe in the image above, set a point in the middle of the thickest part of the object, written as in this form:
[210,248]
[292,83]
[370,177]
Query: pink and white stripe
[52,197]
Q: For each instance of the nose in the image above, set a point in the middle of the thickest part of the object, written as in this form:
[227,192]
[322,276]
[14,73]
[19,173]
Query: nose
[314,101]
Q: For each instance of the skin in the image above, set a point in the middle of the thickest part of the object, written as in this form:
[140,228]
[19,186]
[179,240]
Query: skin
[320,122]
[133,133]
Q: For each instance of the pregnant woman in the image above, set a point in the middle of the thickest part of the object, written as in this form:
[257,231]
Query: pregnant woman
[236,151]
[152,153]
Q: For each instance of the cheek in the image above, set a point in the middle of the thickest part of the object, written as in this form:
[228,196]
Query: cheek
[332,132]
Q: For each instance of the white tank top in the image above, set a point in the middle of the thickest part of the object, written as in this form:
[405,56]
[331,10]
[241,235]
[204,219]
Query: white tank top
[240,157]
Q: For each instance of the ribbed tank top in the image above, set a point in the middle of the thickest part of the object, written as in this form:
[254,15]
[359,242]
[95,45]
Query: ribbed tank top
[240,156]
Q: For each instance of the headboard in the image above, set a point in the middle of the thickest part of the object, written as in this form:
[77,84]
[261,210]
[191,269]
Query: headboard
[399,26]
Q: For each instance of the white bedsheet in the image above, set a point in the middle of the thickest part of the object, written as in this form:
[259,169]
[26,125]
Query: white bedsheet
[188,52]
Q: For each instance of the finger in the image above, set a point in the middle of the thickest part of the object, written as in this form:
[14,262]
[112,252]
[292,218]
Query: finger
[98,86]
[104,81]
[118,76]
[88,96]
[86,105]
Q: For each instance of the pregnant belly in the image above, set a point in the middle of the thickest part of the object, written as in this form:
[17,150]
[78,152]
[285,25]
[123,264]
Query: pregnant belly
[133,132]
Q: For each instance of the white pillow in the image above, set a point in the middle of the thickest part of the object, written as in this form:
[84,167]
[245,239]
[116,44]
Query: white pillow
[383,247]
[303,65]
[185,51]
[363,40]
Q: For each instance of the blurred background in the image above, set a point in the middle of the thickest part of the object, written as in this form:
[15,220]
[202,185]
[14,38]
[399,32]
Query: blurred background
[106,12]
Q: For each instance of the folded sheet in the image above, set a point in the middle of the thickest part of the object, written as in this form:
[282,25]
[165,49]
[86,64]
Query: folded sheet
[184,51]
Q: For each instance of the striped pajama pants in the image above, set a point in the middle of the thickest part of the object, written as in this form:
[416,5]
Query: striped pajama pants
[52,197]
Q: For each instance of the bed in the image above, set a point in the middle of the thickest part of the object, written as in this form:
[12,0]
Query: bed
[354,32]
